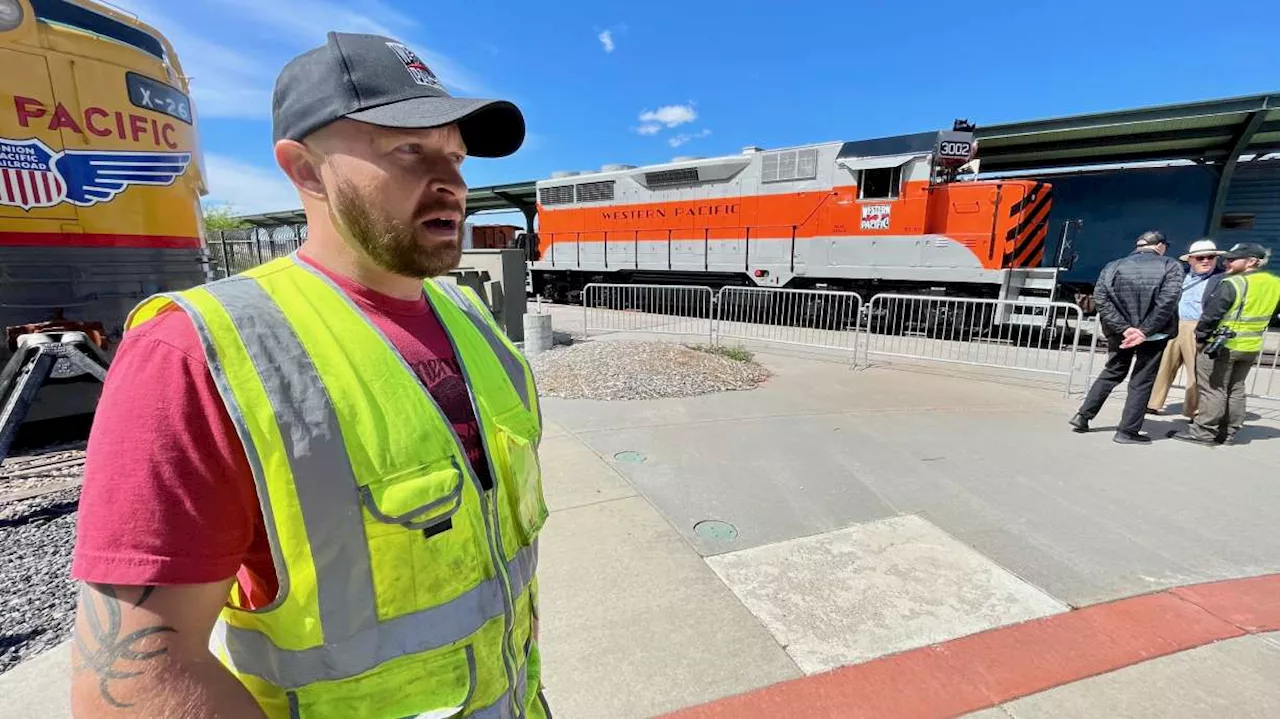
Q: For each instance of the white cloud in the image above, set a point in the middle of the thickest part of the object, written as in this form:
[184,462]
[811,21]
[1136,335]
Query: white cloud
[248,189]
[225,82]
[684,137]
[606,39]
[307,23]
[649,129]
[670,115]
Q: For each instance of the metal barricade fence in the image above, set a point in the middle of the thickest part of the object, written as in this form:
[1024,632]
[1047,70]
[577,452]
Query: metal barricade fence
[686,310]
[1026,336]
[1264,380]
[808,318]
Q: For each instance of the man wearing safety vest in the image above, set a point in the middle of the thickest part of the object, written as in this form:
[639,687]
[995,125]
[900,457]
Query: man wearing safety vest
[1239,310]
[312,489]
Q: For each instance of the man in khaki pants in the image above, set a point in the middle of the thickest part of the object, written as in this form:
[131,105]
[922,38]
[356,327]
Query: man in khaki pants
[1203,275]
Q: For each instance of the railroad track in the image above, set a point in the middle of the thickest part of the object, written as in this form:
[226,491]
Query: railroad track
[42,466]
[32,476]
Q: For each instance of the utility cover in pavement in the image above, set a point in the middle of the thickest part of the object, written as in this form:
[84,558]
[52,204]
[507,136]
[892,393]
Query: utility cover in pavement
[715,529]
[862,592]
[629,456]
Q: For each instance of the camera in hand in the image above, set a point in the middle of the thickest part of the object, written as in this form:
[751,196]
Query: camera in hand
[1217,341]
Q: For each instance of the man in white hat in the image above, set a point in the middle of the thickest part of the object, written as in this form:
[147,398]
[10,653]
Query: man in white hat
[1203,274]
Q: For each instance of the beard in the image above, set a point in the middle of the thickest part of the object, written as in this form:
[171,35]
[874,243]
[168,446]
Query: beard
[390,242]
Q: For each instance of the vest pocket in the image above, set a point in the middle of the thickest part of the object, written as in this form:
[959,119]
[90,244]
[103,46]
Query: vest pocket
[438,686]
[419,500]
[426,538]
[522,473]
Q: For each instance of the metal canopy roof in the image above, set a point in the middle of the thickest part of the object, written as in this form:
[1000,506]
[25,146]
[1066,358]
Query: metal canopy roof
[275,219]
[514,196]
[1211,131]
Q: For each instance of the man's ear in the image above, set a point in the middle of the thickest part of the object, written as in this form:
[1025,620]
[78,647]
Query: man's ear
[302,168]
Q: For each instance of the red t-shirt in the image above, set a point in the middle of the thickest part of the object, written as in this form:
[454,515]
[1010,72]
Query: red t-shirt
[168,495]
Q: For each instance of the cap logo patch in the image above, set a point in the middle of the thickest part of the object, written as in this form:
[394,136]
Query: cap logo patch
[418,69]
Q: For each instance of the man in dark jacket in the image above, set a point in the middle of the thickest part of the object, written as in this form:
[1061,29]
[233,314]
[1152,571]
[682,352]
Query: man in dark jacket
[1137,300]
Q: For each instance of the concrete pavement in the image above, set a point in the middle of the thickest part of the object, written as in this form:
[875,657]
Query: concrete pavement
[976,476]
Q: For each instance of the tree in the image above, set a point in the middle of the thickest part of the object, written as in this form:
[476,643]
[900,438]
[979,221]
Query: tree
[221,217]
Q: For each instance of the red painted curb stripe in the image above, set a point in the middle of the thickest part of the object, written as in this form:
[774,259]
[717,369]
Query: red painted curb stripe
[1251,604]
[983,670]
[96,239]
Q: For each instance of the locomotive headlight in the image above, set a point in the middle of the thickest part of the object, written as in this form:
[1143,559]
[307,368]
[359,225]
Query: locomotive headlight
[10,15]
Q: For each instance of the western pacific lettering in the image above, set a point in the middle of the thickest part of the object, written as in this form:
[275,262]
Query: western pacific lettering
[708,210]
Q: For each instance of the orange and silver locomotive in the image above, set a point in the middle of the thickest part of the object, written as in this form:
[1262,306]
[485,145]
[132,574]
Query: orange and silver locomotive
[873,216]
[100,184]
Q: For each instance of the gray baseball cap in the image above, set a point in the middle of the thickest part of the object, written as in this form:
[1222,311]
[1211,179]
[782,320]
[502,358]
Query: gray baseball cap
[380,81]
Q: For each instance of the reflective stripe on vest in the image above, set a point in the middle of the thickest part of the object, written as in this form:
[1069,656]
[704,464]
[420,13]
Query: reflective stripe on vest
[511,363]
[1257,294]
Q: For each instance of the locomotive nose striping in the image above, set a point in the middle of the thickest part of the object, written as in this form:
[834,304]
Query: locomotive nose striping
[1031,244]
[1028,199]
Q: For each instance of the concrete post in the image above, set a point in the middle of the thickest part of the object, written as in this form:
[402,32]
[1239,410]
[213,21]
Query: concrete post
[537,334]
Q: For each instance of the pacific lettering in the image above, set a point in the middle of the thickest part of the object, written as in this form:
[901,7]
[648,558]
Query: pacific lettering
[137,125]
[88,121]
[707,210]
[62,118]
[28,109]
[135,128]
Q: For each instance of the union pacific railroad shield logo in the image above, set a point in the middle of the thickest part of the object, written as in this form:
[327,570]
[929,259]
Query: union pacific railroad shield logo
[27,177]
[32,175]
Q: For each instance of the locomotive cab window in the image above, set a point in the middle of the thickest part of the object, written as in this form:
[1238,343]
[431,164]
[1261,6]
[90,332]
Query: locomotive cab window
[69,14]
[879,183]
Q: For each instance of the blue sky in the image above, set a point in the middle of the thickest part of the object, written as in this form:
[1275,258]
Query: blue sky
[639,83]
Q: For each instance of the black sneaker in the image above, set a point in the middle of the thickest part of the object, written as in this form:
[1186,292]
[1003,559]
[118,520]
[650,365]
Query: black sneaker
[1079,423]
[1131,438]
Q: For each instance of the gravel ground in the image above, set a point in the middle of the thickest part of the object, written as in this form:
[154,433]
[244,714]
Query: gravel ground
[36,538]
[617,370]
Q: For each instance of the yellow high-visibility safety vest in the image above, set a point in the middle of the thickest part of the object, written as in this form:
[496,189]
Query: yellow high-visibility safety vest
[1257,294]
[406,589]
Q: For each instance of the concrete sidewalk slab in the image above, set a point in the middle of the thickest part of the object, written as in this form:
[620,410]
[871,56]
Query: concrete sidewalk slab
[634,624]
[574,476]
[855,594]
[39,688]
[1234,678]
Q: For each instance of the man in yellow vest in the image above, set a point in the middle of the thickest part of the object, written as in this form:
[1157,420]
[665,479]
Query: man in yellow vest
[1235,317]
[312,489]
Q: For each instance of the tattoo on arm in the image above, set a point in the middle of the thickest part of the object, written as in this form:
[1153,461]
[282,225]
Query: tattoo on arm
[110,655]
